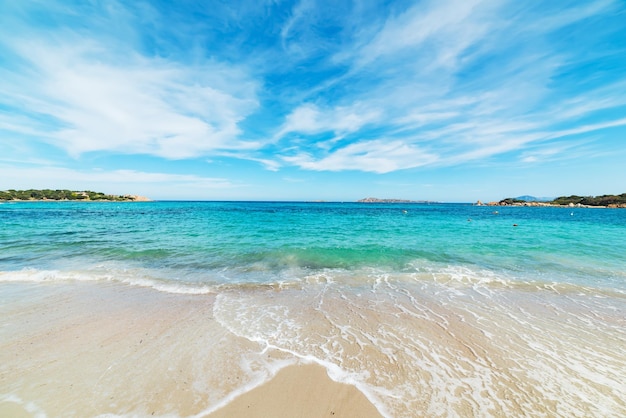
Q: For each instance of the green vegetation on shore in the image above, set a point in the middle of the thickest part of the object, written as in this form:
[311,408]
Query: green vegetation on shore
[607,200]
[604,200]
[48,194]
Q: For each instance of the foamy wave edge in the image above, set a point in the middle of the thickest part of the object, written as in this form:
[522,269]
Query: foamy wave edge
[30,275]
[454,277]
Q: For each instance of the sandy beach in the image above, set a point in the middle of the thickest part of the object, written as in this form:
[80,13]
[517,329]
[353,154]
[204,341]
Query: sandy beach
[228,309]
[300,391]
[84,349]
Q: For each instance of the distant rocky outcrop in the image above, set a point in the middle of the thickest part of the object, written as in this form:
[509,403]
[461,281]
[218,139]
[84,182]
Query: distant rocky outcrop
[377,200]
[137,198]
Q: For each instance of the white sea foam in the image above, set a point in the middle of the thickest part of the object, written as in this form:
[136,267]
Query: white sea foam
[257,379]
[439,347]
[452,342]
[135,277]
[28,406]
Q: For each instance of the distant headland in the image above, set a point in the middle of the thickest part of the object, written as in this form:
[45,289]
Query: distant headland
[58,195]
[604,201]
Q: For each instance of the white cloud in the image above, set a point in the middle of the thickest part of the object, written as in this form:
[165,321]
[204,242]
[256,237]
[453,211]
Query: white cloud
[298,13]
[459,80]
[152,184]
[440,30]
[573,149]
[420,117]
[568,16]
[378,156]
[439,82]
[92,99]
[588,128]
[310,119]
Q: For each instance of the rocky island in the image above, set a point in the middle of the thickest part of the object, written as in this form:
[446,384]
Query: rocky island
[59,195]
[377,200]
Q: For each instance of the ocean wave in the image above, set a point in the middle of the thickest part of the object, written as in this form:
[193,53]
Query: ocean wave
[132,278]
[469,333]
[458,277]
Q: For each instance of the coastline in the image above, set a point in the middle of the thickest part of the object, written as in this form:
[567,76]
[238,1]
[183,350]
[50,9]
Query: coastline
[133,199]
[550,205]
[182,309]
[303,391]
[144,200]
[572,201]
[84,348]
[64,195]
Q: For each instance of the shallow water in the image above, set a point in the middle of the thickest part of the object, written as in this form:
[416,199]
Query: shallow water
[430,310]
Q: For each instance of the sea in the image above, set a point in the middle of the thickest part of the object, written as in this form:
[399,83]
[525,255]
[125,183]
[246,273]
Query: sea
[428,309]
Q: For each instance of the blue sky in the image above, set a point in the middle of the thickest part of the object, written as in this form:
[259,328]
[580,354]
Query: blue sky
[446,100]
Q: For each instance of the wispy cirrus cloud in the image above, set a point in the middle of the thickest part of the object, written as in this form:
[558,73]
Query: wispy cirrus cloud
[377,156]
[441,30]
[82,95]
[113,181]
[461,81]
[311,119]
[296,85]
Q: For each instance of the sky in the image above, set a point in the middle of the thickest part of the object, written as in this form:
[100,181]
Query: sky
[441,100]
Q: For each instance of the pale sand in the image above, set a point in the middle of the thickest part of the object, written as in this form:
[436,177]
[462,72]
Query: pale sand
[303,392]
[83,349]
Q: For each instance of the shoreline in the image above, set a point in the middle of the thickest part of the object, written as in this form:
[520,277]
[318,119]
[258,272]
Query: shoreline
[303,391]
[102,348]
[85,348]
[78,201]
[489,204]
[138,199]
[549,205]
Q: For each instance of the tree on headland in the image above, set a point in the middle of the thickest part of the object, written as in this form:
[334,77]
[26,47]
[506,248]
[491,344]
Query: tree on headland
[48,194]
[573,200]
[604,200]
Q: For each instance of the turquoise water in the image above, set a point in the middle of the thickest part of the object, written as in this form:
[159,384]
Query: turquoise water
[429,310]
[214,243]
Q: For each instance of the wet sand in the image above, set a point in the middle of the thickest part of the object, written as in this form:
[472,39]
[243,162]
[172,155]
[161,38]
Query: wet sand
[86,349]
[100,348]
[300,391]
